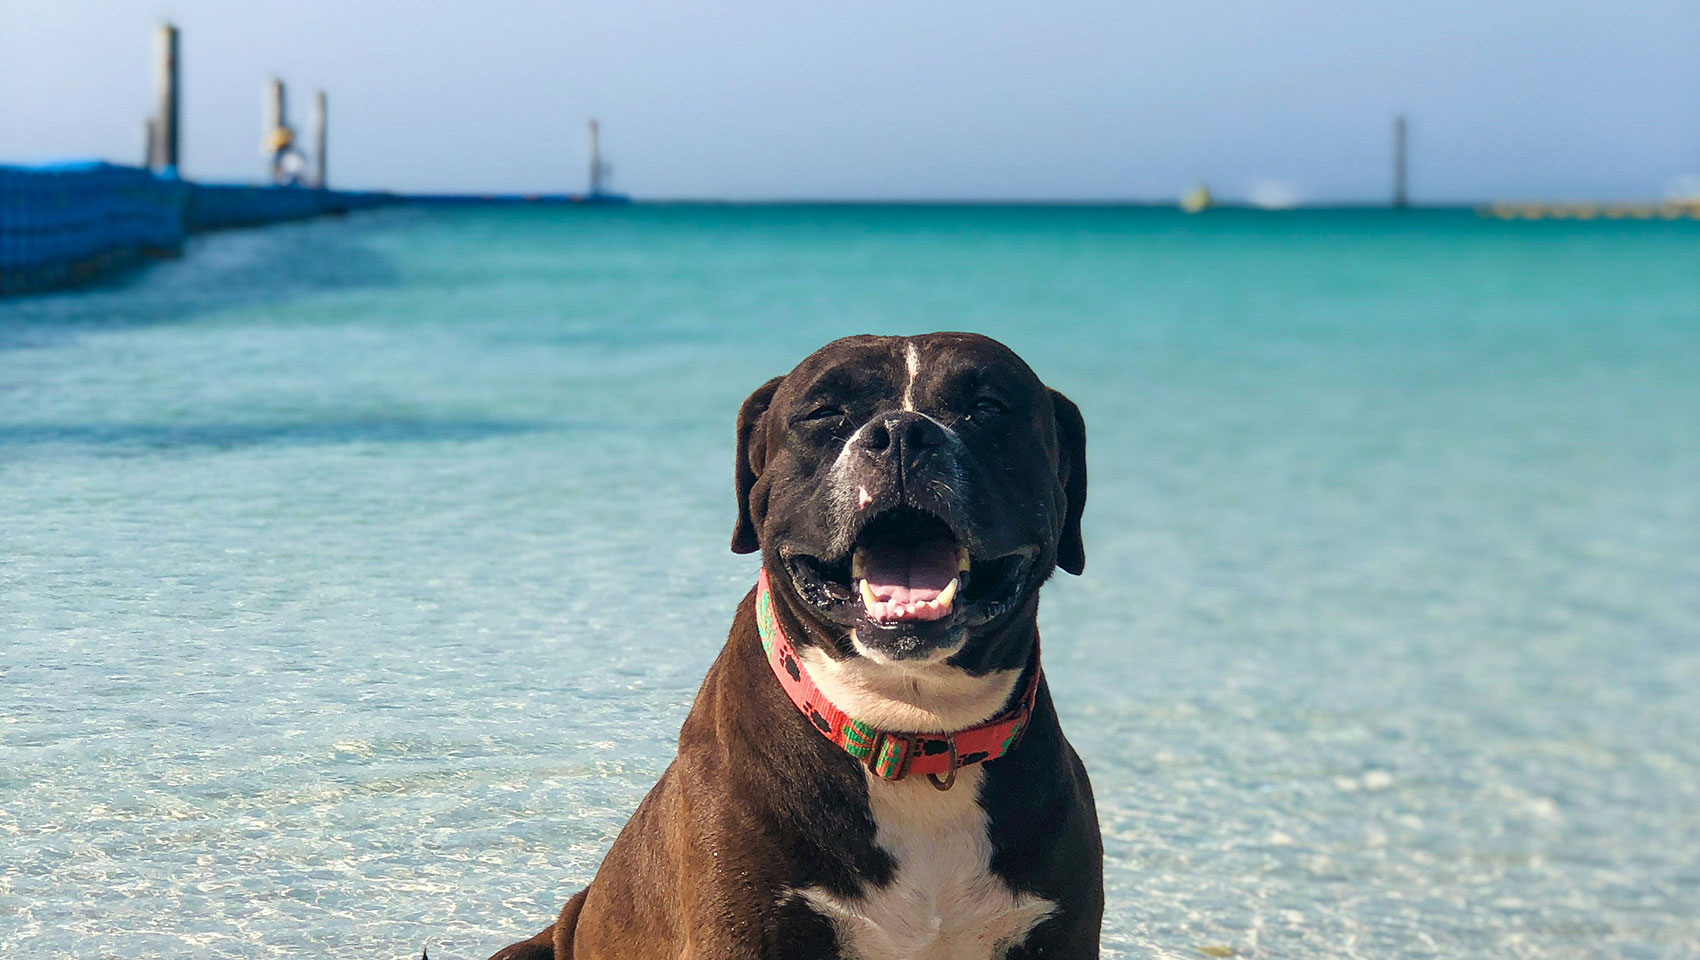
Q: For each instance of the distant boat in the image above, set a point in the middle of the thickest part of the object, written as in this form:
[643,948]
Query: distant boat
[1196,200]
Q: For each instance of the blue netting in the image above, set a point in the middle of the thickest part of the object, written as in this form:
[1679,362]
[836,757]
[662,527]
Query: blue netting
[60,224]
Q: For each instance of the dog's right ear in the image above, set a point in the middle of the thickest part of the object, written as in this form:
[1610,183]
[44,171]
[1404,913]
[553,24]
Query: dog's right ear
[752,455]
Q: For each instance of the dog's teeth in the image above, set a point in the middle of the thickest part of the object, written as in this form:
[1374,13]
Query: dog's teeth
[962,559]
[942,601]
[869,601]
[858,565]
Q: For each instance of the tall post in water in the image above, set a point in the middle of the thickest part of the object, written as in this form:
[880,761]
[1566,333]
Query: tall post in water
[162,155]
[278,137]
[273,105]
[318,129]
[1401,198]
[595,163]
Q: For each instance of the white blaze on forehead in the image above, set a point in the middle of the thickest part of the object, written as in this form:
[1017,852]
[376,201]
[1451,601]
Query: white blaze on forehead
[845,489]
[912,360]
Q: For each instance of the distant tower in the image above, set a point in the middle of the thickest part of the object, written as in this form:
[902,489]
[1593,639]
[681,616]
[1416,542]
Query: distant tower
[162,145]
[284,161]
[318,129]
[276,112]
[1401,197]
[598,169]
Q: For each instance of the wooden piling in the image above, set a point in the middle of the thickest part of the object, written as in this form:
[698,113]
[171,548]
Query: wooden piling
[163,154]
[273,104]
[1401,198]
[596,167]
[318,130]
[279,139]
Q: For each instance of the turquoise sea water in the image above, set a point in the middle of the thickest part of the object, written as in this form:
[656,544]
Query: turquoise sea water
[355,575]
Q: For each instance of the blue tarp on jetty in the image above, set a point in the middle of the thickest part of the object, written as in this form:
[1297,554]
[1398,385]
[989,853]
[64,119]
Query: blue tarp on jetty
[64,224]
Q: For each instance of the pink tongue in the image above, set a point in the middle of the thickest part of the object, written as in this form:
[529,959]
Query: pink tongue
[907,575]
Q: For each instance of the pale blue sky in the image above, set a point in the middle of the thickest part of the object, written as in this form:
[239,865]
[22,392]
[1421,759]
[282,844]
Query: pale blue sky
[977,99]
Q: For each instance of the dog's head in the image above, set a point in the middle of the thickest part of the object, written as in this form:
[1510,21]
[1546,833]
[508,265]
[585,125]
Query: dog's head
[910,494]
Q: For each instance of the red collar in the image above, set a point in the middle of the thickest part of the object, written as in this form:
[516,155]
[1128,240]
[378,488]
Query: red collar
[891,756]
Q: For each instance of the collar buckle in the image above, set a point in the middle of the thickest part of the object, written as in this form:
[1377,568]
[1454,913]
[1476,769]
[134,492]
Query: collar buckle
[890,754]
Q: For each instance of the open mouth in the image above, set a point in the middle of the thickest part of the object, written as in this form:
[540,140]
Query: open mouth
[909,570]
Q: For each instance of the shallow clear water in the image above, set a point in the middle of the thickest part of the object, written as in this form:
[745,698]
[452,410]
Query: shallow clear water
[355,575]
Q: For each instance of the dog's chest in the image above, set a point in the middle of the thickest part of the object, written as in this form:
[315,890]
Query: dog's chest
[944,902]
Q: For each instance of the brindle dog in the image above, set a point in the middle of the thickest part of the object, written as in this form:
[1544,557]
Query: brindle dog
[908,495]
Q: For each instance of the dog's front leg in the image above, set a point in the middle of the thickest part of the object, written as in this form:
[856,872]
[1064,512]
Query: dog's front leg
[792,931]
[540,947]
[1060,939]
[555,942]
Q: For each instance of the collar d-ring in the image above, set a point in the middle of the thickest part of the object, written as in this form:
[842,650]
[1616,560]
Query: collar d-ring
[950,775]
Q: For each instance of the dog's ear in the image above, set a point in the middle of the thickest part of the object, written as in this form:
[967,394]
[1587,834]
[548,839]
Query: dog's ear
[1071,466]
[752,453]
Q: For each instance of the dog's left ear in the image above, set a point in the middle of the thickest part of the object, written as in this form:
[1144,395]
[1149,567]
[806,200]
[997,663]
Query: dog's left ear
[1071,467]
[752,455]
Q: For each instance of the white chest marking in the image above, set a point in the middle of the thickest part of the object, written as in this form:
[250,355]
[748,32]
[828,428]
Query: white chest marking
[944,902]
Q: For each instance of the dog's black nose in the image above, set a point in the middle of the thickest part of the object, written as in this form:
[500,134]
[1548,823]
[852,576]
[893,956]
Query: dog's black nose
[901,436]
